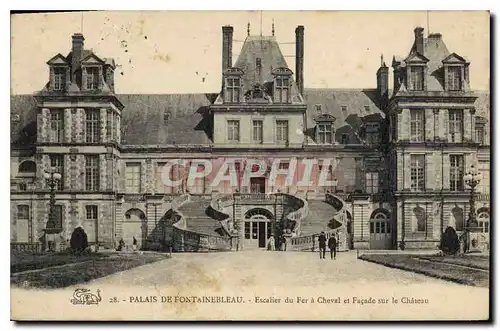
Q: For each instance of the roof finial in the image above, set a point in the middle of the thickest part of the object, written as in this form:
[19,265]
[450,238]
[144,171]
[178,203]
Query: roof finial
[381,60]
[248,28]
[273,27]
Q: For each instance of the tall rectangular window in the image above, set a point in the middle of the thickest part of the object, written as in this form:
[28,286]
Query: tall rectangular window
[110,127]
[59,78]
[92,172]
[23,224]
[92,127]
[456,172]
[417,173]
[92,78]
[91,212]
[480,134]
[324,133]
[57,165]
[282,89]
[282,131]
[454,78]
[371,133]
[417,125]
[56,126]
[133,178]
[416,78]
[372,182]
[456,125]
[233,130]
[232,89]
[23,212]
[257,131]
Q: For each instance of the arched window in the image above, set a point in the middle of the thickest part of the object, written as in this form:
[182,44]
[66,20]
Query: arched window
[380,223]
[418,219]
[27,169]
[483,219]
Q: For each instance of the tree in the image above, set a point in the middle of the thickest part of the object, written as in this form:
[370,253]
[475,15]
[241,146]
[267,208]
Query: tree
[78,241]
[450,244]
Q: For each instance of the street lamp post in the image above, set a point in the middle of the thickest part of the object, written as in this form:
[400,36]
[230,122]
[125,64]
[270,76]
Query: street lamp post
[472,179]
[52,177]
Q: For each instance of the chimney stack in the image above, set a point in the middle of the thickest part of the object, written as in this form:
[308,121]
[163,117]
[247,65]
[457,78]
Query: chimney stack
[299,58]
[76,54]
[227,47]
[383,83]
[419,40]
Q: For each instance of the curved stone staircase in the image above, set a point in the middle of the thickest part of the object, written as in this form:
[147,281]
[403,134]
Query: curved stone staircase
[197,218]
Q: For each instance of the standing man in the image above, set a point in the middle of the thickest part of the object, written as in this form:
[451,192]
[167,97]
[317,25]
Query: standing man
[134,244]
[322,245]
[332,244]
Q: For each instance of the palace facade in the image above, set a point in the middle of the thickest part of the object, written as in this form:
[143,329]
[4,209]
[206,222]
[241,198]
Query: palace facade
[393,157]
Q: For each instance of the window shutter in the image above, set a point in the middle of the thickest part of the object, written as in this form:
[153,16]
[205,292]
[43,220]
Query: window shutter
[100,78]
[467,125]
[407,171]
[429,124]
[84,78]
[405,124]
[446,123]
[429,172]
[446,171]
[52,78]
[68,78]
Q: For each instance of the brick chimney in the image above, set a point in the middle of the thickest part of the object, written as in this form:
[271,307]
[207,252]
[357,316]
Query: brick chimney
[419,40]
[227,47]
[76,54]
[382,83]
[299,58]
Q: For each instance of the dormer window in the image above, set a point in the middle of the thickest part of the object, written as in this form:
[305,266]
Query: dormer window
[416,79]
[324,129]
[59,78]
[232,89]
[282,89]
[454,78]
[282,84]
[92,74]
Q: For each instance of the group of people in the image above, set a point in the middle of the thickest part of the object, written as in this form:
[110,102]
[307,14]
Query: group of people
[332,244]
[282,243]
[121,244]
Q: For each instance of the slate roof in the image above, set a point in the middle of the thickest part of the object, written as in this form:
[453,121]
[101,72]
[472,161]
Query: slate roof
[435,51]
[164,119]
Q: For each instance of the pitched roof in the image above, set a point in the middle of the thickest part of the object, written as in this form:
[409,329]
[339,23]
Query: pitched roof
[266,49]
[166,119]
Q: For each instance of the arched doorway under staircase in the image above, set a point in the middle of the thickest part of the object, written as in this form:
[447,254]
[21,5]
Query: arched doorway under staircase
[258,227]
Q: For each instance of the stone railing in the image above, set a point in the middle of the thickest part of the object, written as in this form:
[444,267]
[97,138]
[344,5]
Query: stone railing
[189,241]
[179,201]
[25,247]
[300,213]
[310,242]
[216,210]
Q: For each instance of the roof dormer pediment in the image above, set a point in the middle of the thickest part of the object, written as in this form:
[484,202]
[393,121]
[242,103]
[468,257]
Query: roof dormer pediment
[233,72]
[454,58]
[58,60]
[92,59]
[416,58]
[282,71]
[324,118]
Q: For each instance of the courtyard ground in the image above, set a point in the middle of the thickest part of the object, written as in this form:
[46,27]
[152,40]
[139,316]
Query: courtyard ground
[468,270]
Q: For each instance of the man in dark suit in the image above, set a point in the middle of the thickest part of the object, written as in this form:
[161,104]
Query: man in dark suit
[332,244]
[322,245]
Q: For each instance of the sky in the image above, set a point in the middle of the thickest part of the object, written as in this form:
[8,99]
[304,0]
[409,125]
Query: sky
[180,52]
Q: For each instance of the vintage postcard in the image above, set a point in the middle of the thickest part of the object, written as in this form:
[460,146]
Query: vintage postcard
[250,165]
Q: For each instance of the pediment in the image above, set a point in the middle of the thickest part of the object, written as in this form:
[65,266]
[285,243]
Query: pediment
[233,71]
[454,58]
[324,118]
[92,59]
[282,71]
[57,60]
[416,57]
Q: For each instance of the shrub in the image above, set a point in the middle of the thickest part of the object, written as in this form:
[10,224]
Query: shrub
[78,241]
[450,244]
